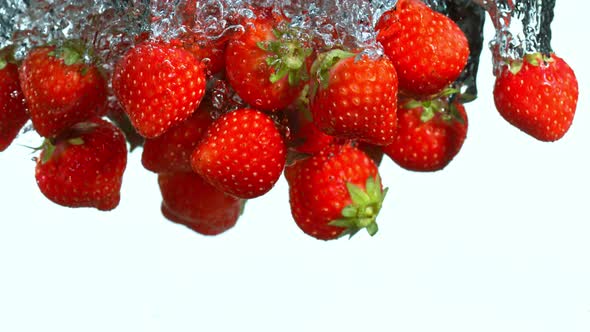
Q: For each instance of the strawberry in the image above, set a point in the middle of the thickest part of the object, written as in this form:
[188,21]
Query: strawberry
[189,200]
[84,166]
[13,112]
[171,152]
[335,192]
[211,54]
[242,154]
[305,137]
[159,86]
[60,89]
[267,65]
[427,48]
[354,96]
[429,134]
[538,95]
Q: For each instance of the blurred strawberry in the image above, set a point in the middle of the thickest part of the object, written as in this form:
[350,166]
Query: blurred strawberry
[171,152]
[189,200]
[13,111]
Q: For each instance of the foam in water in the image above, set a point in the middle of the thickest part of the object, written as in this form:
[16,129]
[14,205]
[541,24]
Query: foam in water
[110,27]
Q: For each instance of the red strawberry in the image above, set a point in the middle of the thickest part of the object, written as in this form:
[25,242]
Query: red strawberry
[171,152]
[427,48]
[267,65]
[242,154]
[159,86]
[189,200]
[538,95]
[335,192]
[84,166]
[13,114]
[429,134]
[305,137]
[355,97]
[211,54]
[60,89]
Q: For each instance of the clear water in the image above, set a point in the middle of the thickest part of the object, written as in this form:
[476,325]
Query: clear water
[112,26]
[519,29]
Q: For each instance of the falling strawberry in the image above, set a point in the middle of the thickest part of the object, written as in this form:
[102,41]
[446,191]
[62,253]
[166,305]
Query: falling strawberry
[60,88]
[159,86]
[189,200]
[355,96]
[538,95]
[428,49]
[335,192]
[242,154]
[429,134]
[13,111]
[84,166]
[267,65]
[171,152]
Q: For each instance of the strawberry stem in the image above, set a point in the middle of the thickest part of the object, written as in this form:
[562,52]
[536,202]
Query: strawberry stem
[324,63]
[287,57]
[365,206]
[48,148]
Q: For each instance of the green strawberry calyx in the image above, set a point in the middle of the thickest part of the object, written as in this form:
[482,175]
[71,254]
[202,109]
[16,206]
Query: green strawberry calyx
[365,206]
[439,105]
[6,57]
[74,52]
[325,62]
[287,57]
[535,59]
[49,147]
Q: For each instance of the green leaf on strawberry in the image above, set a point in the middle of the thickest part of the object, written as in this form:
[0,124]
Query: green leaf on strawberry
[365,206]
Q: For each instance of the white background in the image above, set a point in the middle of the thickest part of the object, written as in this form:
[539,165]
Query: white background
[498,241]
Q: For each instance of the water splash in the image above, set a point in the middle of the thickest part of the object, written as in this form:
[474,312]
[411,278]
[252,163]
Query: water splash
[522,27]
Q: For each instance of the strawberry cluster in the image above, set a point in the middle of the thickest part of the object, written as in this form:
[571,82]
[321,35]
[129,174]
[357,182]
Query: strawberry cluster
[221,120]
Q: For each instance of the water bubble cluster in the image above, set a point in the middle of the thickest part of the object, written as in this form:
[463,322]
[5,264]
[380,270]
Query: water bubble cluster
[522,27]
[112,26]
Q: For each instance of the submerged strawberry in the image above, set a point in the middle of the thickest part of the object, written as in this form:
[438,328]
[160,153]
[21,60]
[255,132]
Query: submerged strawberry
[267,65]
[171,152]
[428,49]
[538,95]
[60,89]
[429,134]
[84,166]
[242,154]
[13,114]
[189,200]
[335,192]
[355,97]
[159,86]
